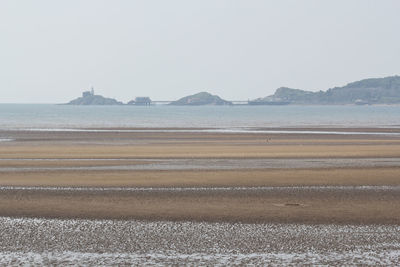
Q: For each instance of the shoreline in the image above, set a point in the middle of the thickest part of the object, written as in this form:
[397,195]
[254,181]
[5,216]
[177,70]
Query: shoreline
[325,130]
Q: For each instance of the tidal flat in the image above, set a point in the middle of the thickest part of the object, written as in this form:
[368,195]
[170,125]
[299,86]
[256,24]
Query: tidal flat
[361,205]
[200,198]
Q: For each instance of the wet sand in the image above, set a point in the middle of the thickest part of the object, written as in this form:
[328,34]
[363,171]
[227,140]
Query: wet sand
[242,150]
[155,197]
[194,164]
[160,159]
[311,205]
[205,178]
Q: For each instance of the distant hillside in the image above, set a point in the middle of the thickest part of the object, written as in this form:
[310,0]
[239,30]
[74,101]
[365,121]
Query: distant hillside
[199,99]
[89,98]
[368,91]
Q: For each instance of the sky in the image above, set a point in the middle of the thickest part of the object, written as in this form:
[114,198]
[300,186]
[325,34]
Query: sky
[52,50]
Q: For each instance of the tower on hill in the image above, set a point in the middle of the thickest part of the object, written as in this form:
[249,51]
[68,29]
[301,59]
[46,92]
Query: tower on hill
[88,93]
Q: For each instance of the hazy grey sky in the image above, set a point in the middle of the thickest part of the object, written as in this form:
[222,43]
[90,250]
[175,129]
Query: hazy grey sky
[50,51]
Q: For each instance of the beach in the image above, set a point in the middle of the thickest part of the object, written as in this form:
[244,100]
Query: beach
[338,178]
[173,174]
[200,133]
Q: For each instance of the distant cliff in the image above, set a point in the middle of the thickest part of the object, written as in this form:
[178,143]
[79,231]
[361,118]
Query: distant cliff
[368,91]
[202,98]
[89,98]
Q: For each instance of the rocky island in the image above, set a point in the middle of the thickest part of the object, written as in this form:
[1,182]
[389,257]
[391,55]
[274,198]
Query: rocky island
[89,98]
[364,92]
[200,99]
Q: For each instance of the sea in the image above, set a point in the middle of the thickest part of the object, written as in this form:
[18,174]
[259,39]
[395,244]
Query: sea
[51,116]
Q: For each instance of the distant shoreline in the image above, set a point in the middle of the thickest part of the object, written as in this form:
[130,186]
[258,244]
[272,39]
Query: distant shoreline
[364,92]
[12,134]
[241,105]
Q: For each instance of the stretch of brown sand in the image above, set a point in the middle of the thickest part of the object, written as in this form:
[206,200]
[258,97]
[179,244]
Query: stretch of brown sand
[335,206]
[206,178]
[231,206]
[70,163]
[198,150]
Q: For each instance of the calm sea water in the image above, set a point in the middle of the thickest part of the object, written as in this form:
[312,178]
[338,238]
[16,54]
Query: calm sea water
[59,116]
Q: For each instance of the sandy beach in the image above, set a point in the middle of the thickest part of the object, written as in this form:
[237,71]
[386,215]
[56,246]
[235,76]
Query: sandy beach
[200,133]
[282,196]
[294,177]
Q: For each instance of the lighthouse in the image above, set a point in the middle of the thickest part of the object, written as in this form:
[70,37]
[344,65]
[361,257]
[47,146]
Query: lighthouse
[88,93]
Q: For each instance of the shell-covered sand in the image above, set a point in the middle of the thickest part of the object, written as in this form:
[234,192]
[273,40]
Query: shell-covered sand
[108,242]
